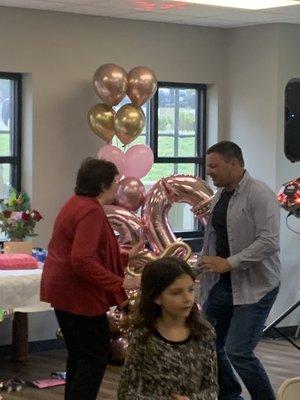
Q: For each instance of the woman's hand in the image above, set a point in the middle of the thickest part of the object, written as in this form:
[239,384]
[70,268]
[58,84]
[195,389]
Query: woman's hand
[132,282]
[135,250]
[179,397]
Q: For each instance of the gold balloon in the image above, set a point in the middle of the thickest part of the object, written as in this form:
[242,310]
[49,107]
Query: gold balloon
[129,123]
[101,121]
[110,82]
[142,85]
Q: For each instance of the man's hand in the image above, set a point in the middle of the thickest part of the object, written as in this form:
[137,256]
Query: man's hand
[215,264]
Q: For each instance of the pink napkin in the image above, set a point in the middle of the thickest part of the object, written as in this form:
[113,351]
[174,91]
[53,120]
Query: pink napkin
[44,383]
[17,261]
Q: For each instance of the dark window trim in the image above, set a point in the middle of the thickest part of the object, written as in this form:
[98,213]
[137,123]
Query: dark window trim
[16,128]
[199,160]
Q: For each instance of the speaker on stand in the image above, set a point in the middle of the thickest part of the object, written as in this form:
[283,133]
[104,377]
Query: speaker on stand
[292,120]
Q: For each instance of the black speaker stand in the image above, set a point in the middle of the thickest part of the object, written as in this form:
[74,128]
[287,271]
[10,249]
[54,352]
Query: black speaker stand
[279,319]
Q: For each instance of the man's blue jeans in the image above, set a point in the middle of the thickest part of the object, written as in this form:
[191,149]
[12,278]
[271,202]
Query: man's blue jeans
[239,329]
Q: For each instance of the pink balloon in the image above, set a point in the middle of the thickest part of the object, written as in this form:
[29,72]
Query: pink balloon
[138,161]
[131,194]
[112,153]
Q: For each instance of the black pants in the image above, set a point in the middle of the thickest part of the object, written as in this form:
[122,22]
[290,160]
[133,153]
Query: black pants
[87,341]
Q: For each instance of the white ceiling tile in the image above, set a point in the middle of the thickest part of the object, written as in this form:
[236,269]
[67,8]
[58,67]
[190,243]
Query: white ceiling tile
[93,10]
[39,4]
[285,11]
[75,2]
[156,17]
[160,10]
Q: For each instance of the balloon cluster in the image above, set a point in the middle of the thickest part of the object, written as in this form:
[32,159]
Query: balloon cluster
[136,162]
[119,321]
[112,83]
[152,226]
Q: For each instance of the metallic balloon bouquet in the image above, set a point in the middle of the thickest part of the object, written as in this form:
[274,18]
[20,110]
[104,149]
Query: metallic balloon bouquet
[136,215]
[154,229]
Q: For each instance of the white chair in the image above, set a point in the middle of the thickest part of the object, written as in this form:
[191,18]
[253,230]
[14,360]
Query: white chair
[290,389]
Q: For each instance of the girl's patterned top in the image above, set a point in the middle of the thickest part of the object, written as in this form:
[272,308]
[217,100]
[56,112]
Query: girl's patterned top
[157,368]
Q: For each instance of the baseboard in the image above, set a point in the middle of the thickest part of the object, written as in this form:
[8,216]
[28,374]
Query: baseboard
[288,331]
[35,347]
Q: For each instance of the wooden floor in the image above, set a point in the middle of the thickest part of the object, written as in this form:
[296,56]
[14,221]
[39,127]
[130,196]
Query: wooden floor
[280,359]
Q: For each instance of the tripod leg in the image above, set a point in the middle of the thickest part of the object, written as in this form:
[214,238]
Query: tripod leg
[281,317]
[287,338]
[297,331]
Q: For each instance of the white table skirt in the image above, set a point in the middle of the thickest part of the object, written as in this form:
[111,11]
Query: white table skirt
[20,291]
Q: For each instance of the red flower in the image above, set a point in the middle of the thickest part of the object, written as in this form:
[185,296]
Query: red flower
[6,213]
[36,215]
[25,216]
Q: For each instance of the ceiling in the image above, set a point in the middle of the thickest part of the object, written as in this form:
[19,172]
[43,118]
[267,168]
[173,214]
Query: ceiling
[165,11]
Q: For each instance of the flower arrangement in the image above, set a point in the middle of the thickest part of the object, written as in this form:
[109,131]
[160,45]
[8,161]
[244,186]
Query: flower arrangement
[17,219]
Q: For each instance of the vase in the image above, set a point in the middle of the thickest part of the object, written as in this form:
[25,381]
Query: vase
[18,246]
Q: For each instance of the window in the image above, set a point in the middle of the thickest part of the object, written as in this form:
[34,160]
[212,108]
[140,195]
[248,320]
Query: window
[178,142]
[10,132]
[175,130]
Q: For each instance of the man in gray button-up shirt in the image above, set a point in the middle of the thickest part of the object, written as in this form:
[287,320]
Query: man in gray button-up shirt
[242,269]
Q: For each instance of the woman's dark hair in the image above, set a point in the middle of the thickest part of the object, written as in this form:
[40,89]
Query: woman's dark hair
[227,150]
[94,176]
[156,277]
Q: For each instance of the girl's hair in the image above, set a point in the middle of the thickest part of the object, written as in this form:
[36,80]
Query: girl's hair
[156,277]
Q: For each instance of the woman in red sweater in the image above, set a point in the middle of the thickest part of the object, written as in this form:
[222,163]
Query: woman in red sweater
[83,277]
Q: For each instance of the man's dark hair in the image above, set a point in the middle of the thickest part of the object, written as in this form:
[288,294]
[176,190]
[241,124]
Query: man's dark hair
[227,150]
[94,176]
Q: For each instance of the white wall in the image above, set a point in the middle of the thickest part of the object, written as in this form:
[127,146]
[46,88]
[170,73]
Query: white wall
[288,68]
[260,60]
[58,53]
[252,62]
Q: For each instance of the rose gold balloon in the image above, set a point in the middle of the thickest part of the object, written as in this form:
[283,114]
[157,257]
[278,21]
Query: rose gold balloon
[127,224]
[173,189]
[101,121]
[110,82]
[142,85]
[131,194]
[132,305]
[119,347]
[129,123]
[115,318]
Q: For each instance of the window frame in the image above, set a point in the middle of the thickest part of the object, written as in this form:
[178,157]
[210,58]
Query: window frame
[198,160]
[15,129]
